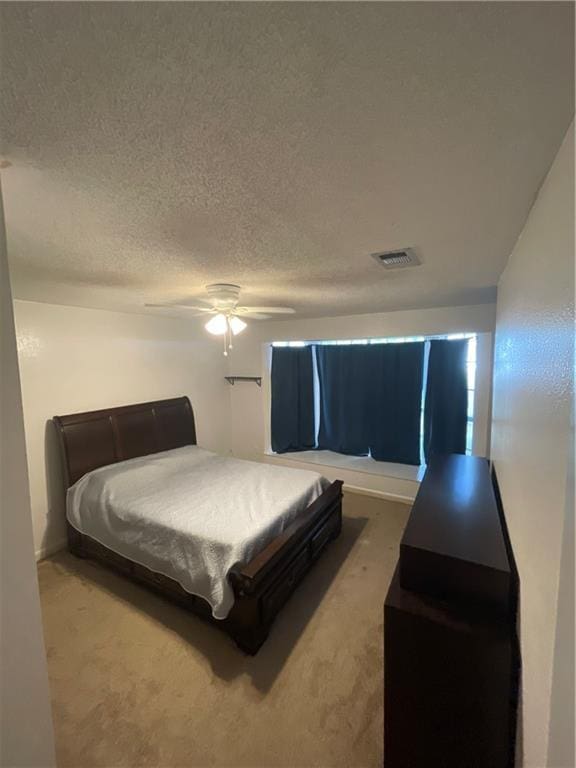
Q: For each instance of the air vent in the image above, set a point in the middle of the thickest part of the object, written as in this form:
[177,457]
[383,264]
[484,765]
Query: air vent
[397,259]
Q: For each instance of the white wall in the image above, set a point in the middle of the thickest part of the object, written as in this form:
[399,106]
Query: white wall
[561,747]
[250,406]
[26,737]
[75,359]
[533,376]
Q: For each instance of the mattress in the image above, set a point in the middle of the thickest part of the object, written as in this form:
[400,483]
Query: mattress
[190,514]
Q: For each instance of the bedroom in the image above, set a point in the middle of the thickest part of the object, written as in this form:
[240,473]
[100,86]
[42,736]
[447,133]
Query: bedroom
[150,151]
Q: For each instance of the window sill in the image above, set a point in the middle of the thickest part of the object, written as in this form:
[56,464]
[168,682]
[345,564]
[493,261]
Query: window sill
[362,464]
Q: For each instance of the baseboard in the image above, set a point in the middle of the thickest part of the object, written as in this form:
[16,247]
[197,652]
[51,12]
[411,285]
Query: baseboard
[379,494]
[50,549]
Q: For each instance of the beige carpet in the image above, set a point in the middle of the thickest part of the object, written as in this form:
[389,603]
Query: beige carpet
[137,681]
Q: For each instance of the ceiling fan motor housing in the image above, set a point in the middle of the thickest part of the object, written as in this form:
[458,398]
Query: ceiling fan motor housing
[224,296]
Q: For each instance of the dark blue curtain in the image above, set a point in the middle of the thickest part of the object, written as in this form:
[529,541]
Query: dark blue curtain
[446,406]
[396,401]
[370,400]
[344,376]
[292,382]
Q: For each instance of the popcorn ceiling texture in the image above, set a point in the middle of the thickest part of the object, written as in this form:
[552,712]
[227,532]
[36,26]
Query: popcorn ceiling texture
[158,147]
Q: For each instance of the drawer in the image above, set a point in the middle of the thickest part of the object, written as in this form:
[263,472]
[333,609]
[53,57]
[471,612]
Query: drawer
[323,535]
[165,585]
[275,597]
[112,559]
[155,578]
[152,578]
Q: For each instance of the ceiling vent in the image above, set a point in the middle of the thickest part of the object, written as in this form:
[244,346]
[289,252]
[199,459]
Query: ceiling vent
[397,259]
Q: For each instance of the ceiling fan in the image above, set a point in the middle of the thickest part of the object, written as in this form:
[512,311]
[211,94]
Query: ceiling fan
[226,320]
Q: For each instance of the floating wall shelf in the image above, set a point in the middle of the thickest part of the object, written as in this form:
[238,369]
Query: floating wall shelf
[233,379]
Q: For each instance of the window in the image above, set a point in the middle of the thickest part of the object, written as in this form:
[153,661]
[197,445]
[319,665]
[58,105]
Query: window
[471,376]
[471,352]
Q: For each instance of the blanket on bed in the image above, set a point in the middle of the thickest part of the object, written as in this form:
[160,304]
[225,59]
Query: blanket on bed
[191,514]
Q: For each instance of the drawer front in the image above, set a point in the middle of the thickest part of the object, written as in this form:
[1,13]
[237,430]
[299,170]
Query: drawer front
[155,578]
[323,535]
[111,558]
[165,585]
[280,591]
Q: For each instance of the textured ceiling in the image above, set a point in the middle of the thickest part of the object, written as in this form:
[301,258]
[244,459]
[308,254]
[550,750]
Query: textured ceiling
[157,147]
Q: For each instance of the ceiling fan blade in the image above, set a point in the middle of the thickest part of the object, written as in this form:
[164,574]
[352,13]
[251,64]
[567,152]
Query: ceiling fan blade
[267,310]
[254,316]
[183,306]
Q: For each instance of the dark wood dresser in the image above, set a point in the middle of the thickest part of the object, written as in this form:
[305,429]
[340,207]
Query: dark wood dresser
[450,645]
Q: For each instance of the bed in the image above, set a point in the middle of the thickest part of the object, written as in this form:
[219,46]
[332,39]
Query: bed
[227,539]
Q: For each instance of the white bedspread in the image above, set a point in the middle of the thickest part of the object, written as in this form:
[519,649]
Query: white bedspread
[190,514]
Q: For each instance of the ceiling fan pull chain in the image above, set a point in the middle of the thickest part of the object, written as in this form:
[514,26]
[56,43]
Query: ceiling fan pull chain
[229,332]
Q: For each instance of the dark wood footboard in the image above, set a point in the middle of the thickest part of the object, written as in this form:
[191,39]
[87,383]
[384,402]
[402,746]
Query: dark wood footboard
[263,585]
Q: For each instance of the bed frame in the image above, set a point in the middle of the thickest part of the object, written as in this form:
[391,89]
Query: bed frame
[261,586]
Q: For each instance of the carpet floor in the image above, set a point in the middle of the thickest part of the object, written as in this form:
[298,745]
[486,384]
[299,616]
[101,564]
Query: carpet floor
[139,682]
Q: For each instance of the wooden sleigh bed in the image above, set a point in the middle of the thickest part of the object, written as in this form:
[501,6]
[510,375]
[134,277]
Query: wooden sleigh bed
[262,586]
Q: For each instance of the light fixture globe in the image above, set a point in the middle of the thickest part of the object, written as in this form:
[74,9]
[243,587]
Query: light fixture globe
[217,325]
[237,325]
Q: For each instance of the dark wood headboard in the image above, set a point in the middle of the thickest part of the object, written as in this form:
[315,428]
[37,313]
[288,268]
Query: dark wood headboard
[97,438]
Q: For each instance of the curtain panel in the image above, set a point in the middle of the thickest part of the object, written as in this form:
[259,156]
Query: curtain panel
[344,379]
[396,402]
[446,405]
[292,384]
[370,400]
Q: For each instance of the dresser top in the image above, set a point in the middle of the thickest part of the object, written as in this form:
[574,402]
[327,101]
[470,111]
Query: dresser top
[455,513]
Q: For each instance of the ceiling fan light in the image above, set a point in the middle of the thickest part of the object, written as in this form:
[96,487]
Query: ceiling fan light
[237,325]
[217,325]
